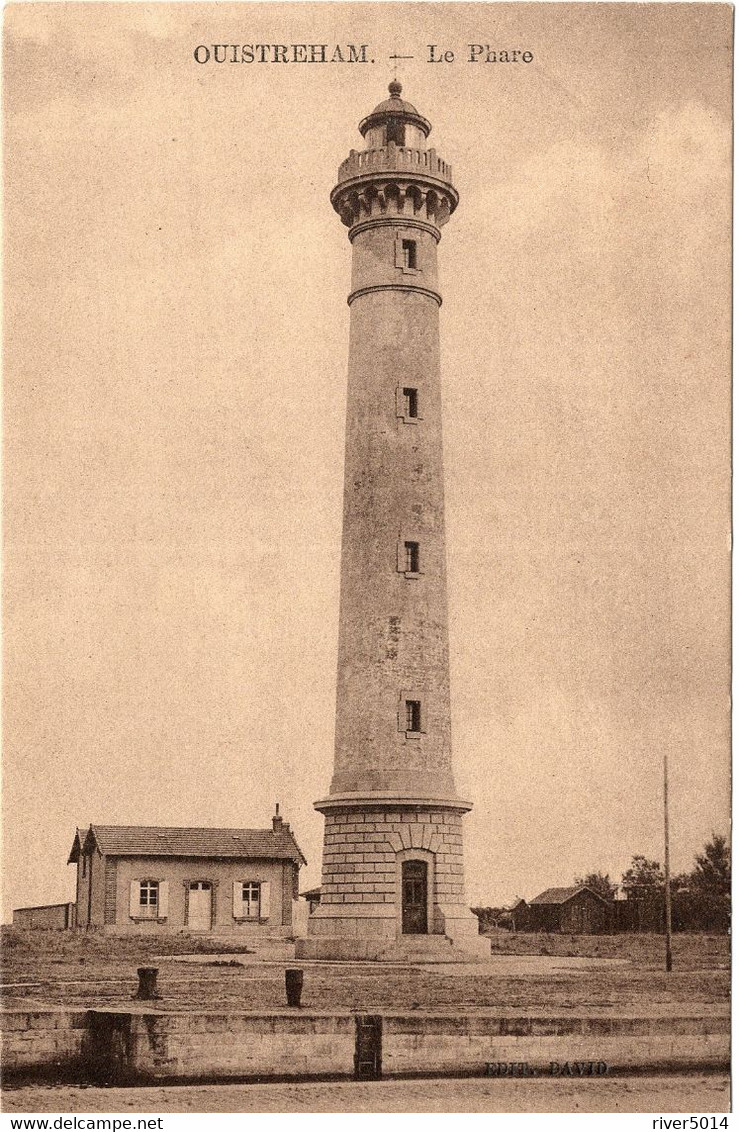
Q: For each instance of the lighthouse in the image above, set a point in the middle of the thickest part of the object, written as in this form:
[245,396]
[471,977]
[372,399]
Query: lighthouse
[393,878]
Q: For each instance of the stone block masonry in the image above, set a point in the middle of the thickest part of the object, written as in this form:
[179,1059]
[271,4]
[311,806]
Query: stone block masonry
[140,1046]
[42,1041]
[499,1046]
[167,1046]
[361,853]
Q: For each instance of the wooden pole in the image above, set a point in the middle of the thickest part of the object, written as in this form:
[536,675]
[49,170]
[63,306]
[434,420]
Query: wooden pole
[668,894]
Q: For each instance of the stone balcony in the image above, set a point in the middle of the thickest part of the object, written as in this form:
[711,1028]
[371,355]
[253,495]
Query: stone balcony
[394,180]
[394,158]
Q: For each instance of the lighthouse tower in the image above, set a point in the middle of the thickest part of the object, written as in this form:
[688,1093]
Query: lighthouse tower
[392,883]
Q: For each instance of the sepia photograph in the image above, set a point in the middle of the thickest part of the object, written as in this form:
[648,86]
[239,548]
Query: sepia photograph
[367,558]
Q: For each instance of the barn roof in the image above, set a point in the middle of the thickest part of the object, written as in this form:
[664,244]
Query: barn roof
[158,841]
[562,895]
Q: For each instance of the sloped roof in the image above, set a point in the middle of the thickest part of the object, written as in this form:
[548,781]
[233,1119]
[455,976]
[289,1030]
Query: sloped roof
[159,841]
[562,895]
[395,106]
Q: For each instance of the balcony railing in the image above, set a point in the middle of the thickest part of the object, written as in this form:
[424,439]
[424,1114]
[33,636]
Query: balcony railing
[392,158]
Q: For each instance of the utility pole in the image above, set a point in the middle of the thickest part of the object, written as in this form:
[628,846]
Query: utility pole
[668,894]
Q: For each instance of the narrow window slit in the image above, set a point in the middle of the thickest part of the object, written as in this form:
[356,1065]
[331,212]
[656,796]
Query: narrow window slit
[413,715]
[410,398]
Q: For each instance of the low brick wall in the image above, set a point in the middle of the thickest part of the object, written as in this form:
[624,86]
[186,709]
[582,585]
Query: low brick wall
[45,1041]
[141,1045]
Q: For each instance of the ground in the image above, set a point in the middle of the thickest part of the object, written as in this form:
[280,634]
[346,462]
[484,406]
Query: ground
[82,970]
[622,973]
[700,1093]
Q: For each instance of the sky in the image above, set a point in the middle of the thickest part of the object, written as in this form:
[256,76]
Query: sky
[176,336]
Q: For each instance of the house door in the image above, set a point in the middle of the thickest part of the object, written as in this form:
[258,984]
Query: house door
[199,906]
[415,897]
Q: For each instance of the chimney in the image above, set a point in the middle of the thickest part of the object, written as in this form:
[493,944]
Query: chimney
[277,824]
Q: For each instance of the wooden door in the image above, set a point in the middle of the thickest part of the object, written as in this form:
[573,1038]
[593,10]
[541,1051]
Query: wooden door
[415,897]
[199,906]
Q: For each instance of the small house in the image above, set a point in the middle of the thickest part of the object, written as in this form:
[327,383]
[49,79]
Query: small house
[151,879]
[579,910]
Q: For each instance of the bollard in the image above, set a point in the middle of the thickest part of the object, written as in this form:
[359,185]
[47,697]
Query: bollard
[147,982]
[293,985]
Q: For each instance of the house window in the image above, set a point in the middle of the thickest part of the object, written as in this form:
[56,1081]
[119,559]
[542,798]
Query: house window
[149,898]
[413,715]
[409,255]
[410,403]
[250,898]
[412,565]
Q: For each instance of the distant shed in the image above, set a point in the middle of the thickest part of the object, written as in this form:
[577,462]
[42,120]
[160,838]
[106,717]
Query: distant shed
[313,897]
[579,910]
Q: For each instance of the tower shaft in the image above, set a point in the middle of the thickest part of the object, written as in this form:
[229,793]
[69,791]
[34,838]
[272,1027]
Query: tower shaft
[393,636]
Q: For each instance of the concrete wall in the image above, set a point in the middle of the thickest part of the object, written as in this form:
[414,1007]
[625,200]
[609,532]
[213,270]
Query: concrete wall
[473,1044]
[57,916]
[42,1040]
[160,1046]
[139,1045]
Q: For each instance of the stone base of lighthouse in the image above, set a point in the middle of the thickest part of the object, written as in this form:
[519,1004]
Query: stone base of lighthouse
[392,887]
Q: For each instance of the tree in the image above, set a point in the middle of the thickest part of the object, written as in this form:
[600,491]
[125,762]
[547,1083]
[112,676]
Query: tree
[644,885]
[643,877]
[712,872]
[600,883]
[709,886]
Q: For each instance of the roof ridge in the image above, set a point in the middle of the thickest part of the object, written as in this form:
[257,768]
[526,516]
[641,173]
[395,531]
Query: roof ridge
[180,828]
[222,842]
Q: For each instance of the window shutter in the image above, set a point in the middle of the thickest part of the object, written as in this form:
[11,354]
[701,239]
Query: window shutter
[134,899]
[264,900]
[163,908]
[238,900]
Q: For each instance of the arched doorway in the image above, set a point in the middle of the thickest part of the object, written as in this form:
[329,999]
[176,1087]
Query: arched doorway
[414,896]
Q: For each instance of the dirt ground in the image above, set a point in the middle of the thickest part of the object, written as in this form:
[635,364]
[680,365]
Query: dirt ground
[87,970]
[670,1095]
